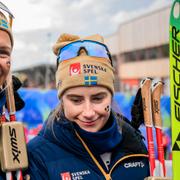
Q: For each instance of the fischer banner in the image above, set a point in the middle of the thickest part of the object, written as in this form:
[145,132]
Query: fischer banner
[174,50]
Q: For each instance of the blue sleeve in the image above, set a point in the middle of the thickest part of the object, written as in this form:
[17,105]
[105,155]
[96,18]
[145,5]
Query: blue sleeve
[2,175]
[2,100]
[36,168]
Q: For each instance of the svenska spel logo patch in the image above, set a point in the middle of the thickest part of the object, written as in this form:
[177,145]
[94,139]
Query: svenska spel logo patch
[66,176]
[75,69]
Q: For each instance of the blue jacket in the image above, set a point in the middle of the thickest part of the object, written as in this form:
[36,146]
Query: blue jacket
[58,152]
[2,100]
[2,103]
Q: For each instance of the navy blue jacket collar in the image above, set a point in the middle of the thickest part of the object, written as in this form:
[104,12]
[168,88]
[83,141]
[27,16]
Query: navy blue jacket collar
[62,133]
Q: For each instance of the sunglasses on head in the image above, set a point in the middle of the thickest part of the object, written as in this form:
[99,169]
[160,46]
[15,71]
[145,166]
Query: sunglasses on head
[92,48]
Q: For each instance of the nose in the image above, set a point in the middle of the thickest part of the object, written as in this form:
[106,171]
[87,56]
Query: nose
[82,52]
[88,110]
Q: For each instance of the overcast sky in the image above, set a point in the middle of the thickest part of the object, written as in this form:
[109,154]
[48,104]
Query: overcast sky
[77,16]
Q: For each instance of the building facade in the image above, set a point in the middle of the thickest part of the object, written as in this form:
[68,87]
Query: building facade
[140,48]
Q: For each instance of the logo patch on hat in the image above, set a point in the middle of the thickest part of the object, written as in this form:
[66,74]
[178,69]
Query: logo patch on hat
[93,69]
[4,23]
[90,80]
[75,69]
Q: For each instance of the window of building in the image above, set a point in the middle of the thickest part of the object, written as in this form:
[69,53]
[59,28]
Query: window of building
[146,54]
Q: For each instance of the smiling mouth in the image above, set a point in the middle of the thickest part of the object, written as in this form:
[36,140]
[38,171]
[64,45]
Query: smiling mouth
[88,123]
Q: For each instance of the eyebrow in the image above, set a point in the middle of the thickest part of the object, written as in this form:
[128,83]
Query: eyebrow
[76,95]
[99,94]
[73,95]
[6,48]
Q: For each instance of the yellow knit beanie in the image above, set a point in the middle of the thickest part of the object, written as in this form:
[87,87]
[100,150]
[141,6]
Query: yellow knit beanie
[5,26]
[82,70]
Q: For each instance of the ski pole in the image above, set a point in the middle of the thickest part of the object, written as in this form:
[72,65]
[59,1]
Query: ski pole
[156,111]
[3,111]
[9,175]
[147,111]
[3,117]
[12,111]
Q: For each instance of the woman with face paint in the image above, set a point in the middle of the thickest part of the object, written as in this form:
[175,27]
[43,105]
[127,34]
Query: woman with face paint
[6,45]
[83,137]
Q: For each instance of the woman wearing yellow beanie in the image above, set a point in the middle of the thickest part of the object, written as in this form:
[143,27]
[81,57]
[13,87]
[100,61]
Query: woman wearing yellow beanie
[83,137]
